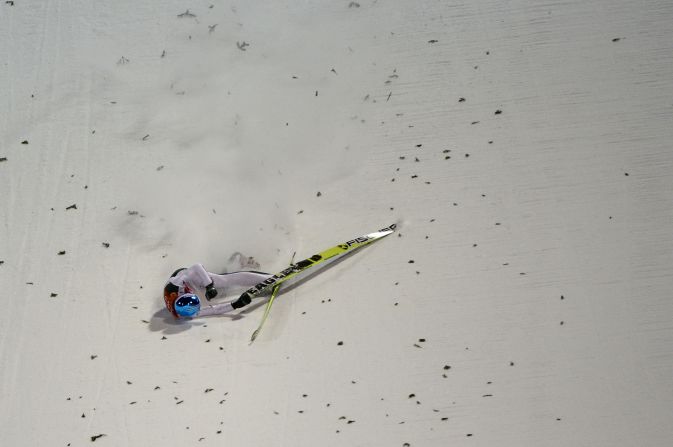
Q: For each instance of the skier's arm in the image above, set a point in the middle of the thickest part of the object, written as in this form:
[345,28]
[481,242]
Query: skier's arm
[217,309]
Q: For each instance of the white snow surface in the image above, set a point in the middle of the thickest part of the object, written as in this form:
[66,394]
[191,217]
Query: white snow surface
[525,147]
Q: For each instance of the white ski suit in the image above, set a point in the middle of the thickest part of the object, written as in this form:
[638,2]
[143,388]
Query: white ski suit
[189,280]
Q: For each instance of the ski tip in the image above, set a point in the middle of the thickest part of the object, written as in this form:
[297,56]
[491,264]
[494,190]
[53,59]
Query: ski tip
[390,228]
[397,225]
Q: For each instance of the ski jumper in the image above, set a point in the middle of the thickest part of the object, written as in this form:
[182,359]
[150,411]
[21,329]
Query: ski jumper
[188,280]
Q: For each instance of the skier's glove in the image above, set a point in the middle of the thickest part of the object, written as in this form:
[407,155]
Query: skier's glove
[244,300]
[210,291]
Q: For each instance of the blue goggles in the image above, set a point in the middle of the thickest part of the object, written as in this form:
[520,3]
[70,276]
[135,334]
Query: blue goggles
[187,305]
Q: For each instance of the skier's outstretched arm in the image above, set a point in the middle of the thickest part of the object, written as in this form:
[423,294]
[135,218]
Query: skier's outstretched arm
[218,309]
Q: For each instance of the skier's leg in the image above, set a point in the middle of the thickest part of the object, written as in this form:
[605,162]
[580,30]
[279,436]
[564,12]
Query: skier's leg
[238,279]
[197,276]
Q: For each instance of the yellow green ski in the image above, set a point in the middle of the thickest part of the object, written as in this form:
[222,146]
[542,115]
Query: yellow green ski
[267,308]
[302,269]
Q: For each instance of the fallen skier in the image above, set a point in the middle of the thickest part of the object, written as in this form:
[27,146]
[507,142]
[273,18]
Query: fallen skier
[180,291]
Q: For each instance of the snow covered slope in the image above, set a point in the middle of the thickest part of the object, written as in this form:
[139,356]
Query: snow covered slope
[524,146]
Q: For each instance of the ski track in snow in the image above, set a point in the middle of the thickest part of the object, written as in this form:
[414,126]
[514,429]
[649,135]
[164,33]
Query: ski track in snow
[526,149]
